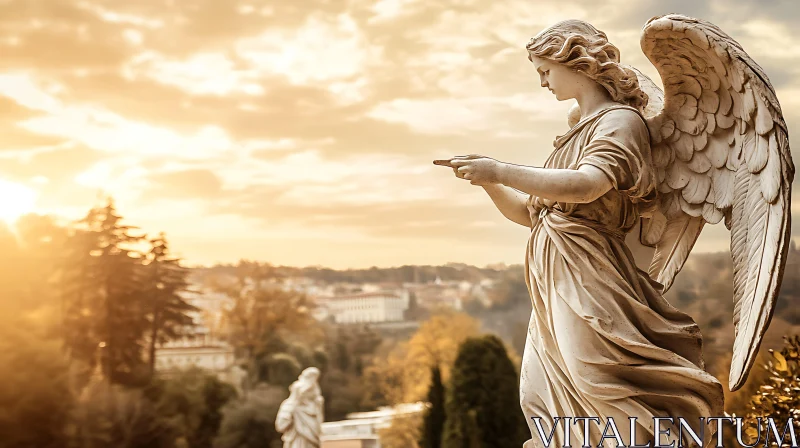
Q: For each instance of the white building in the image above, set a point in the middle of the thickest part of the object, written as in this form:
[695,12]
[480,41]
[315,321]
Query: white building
[366,307]
[215,359]
[439,294]
[361,429]
[200,346]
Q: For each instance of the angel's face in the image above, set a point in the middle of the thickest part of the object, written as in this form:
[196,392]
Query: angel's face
[562,81]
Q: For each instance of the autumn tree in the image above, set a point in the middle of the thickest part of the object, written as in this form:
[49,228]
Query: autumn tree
[403,432]
[404,375]
[164,285]
[261,314]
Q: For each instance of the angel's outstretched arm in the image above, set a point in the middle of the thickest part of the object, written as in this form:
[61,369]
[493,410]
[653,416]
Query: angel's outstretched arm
[562,185]
[512,204]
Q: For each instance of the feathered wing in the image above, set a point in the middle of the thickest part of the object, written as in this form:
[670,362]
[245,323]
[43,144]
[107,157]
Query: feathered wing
[721,150]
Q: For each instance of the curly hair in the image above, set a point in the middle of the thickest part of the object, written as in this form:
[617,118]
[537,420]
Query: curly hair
[583,48]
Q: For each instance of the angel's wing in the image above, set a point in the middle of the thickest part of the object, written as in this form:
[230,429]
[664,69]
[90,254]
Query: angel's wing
[721,150]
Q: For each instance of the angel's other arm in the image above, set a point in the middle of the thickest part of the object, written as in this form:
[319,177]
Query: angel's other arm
[579,186]
[512,204]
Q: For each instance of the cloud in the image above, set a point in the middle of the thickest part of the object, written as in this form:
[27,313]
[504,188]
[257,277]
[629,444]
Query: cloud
[302,132]
[463,115]
[183,184]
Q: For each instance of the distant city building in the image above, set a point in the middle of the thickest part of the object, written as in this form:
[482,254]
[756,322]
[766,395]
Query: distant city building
[199,346]
[364,307]
[439,294]
[215,359]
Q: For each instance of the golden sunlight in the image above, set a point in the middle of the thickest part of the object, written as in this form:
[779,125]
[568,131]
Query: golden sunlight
[15,201]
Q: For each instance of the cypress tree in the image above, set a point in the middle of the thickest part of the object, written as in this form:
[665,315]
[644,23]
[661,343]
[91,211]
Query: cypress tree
[482,402]
[433,421]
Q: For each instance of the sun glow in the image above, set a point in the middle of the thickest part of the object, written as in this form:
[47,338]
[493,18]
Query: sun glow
[15,201]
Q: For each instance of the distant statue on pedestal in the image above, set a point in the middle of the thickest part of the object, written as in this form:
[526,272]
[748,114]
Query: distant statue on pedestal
[301,415]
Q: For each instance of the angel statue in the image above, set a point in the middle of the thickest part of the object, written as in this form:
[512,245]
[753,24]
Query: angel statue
[301,415]
[602,340]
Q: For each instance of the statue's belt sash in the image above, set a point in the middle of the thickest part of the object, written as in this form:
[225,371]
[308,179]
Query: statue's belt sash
[599,227]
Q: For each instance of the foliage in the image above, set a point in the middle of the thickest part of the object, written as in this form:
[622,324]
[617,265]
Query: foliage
[344,393]
[164,283]
[483,398]
[407,273]
[112,415]
[403,432]
[250,422]
[261,311]
[435,416]
[347,349]
[779,396]
[192,401]
[100,279]
[403,376]
[509,291]
[35,390]
[282,369]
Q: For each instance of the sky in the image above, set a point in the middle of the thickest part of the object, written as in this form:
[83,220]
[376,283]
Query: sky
[302,132]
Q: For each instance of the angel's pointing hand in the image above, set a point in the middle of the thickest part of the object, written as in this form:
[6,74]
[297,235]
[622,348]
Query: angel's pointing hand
[477,169]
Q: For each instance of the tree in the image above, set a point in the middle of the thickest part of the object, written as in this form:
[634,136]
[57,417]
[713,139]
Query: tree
[510,291]
[483,398]
[164,282]
[250,422]
[101,294]
[193,401]
[35,380]
[282,369]
[433,421]
[403,432]
[403,376]
[34,390]
[262,311]
[110,415]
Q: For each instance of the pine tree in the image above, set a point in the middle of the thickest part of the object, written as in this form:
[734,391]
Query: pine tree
[101,294]
[434,419]
[164,282]
[483,398]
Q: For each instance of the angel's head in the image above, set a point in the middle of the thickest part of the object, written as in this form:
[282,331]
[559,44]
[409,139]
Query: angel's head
[572,54]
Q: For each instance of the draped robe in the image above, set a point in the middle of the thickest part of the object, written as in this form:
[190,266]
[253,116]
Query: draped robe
[300,417]
[602,340]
